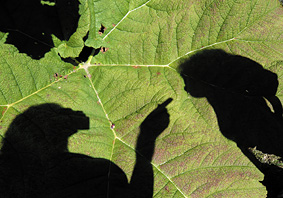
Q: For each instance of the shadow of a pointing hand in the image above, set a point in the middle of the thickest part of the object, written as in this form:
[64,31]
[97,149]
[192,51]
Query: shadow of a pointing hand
[35,161]
[156,122]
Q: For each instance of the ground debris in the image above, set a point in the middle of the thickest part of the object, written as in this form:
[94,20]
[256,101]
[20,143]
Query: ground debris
[265,158]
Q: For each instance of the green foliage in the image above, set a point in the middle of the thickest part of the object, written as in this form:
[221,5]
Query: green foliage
[144,41]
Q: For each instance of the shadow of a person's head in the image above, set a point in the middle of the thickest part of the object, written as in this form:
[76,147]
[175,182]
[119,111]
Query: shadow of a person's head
[215,69]
[35,161]
[238,89]
[236,86]
[43,130]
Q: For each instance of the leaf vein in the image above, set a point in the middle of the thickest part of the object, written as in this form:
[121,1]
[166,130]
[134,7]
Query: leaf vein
[124,18]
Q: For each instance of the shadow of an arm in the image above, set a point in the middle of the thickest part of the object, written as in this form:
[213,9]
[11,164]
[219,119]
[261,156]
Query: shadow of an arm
[156,122]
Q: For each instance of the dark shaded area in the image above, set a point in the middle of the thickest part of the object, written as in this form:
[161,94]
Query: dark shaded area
[35,162]
[236,86]
[30,24]
[85,53]
[101,29]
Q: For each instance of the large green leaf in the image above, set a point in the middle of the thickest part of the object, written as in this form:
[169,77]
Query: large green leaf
[144,43]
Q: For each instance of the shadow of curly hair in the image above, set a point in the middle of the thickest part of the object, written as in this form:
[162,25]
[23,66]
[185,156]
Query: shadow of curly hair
[43,130]
[215,68]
